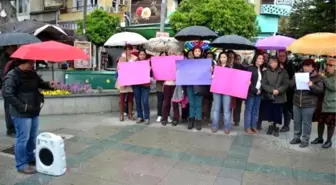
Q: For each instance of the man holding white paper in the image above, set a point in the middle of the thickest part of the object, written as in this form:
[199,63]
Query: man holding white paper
[309,86]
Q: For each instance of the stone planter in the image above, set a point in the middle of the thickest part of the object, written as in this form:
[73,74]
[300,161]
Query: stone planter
[82,103]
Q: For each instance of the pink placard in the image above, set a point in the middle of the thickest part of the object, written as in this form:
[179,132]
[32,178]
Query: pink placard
[231,82]
[133,73]
[164,67]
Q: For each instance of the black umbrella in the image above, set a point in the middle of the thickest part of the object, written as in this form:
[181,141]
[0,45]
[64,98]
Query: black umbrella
[233,42]
[195,33]
[8,39]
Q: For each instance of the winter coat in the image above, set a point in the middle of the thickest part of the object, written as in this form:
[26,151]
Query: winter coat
[21,90]
[308,98]
[329,101]
[275,80]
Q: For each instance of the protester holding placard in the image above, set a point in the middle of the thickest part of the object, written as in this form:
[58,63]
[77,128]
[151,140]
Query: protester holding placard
[252,103]
[274,84]
[141,95]
[126,91]
[221,100]
[159,94]
[168,91]
[195,99]
[305,101]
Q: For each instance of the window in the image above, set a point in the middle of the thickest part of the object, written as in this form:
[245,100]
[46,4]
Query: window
[267,1]
[22,6]
[79,4]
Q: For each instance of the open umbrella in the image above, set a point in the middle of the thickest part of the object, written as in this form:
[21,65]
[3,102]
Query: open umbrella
[318,44]
[8,39]
[51,51]
[276,42]
[159,44]
[233,42]
[195,33]
[123,38]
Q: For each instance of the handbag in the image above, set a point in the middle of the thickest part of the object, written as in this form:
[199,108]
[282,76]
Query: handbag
[201,90]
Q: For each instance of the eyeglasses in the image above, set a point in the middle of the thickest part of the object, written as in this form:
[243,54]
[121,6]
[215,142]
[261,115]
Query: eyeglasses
[331,65]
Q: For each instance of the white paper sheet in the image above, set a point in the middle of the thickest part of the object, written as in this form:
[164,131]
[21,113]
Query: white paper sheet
[301,81]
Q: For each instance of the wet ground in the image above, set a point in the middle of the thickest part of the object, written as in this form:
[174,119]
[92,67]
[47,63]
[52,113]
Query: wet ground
[103,151]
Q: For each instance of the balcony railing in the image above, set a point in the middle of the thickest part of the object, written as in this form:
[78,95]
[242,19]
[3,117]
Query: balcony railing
[274,10]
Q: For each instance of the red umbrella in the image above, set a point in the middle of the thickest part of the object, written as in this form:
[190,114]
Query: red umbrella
[51,51]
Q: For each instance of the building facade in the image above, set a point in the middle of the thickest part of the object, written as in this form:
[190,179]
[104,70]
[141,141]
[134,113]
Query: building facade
[268,14]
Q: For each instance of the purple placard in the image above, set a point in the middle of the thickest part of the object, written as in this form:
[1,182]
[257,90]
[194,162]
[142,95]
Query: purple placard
[193,72]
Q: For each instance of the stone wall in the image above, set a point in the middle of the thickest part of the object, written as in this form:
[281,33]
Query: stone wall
[81,104]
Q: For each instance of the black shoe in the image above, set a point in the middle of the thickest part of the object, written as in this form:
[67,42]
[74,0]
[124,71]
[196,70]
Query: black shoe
[295,141]
[175,123]
[164,123]
[270,130]
[198,124]
[10,134]
[32,163]
[284,129]
[317,141]
[191,123]
[276,132]
[327,144]
[303,144]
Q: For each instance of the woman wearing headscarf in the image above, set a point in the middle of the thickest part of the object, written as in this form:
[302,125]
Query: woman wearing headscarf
[126,91]
[21,90]
[274,84]
[195,99]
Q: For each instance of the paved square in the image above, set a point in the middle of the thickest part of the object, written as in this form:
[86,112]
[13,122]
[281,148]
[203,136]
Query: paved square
[104,151]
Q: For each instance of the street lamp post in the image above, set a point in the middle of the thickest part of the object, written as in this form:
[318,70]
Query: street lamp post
[163,15]
[84,19]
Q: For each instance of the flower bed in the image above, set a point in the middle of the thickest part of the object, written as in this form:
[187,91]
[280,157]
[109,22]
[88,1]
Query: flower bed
[80,99]
[68,89]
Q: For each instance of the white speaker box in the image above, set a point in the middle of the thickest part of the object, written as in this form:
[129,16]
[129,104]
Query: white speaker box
[50,154]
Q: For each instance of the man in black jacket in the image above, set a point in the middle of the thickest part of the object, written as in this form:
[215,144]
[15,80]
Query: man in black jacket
[288,106]
[21,90]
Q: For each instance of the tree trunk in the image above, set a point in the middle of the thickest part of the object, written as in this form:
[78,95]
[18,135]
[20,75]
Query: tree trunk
[10,11]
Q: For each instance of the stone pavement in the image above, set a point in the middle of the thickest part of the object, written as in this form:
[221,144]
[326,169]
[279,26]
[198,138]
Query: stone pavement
[105,151]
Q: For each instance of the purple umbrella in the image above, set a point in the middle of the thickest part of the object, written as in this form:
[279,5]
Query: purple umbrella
[276,42]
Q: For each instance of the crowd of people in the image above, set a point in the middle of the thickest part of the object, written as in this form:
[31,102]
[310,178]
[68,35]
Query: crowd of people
[272,97]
